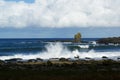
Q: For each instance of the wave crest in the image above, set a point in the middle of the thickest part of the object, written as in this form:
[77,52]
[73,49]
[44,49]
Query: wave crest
[57,50]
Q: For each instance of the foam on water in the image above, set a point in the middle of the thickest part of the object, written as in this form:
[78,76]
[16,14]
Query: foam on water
[57,50]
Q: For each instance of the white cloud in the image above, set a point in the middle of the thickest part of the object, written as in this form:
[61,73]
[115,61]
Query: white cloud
[60,13]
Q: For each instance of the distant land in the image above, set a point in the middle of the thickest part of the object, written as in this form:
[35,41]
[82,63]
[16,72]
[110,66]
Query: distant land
[114,40]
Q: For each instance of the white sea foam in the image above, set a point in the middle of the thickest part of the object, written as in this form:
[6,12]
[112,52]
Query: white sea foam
[57,50]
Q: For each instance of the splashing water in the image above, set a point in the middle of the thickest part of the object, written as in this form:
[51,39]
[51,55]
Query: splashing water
[57,50]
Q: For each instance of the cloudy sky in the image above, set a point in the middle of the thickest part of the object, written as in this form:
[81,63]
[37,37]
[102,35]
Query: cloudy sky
[59,18]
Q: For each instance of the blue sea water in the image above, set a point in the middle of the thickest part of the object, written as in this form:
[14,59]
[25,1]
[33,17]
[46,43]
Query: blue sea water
[11,47]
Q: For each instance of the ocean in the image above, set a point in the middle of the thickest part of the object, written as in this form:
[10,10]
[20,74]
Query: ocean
[32,48]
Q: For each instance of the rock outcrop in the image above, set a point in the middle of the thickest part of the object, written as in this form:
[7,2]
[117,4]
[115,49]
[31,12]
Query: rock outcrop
[77,37]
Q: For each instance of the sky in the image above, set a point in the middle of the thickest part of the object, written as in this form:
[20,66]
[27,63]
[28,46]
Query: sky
[59,18]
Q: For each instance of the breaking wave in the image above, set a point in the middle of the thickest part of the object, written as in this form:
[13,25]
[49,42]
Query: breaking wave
[57,50]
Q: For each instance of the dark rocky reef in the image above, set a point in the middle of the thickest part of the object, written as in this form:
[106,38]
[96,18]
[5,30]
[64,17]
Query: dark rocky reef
[60,69]
[63,69]
[114,40]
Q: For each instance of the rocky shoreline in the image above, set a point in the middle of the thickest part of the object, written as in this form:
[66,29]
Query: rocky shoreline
[62,69]
[19,64]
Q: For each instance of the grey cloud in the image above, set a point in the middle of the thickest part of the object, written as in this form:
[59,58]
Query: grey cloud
[60,13]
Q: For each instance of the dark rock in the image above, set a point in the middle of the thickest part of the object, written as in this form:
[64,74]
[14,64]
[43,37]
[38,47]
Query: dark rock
[32,60]
[77,38]
[14,60]
[63,59]
[39,59]
[115,40]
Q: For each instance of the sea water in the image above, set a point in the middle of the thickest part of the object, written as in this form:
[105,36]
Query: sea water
[45,48]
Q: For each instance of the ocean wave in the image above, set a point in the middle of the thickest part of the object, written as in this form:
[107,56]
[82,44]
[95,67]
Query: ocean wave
[57,50]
